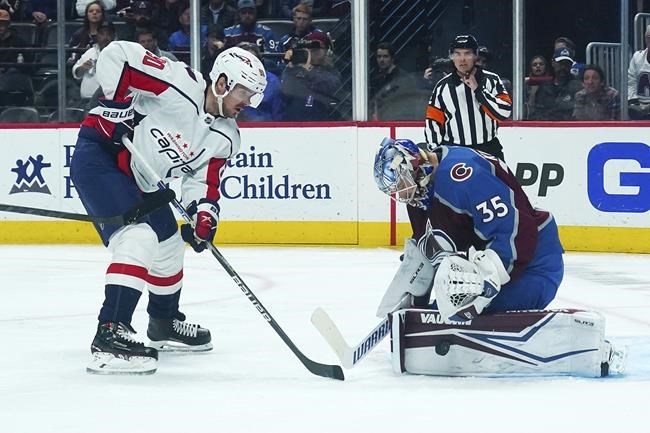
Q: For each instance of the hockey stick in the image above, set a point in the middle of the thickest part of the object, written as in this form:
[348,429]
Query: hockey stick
[351,355]
[151,203]
[324,370]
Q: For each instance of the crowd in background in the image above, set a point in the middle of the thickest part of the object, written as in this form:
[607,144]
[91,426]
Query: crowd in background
[555,89]
[305,82]
[301,75]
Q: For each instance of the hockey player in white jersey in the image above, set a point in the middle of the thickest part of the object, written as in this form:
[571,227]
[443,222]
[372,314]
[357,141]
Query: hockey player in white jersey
[184,129]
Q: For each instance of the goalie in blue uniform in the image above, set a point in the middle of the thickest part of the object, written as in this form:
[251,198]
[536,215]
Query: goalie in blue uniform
[486,251]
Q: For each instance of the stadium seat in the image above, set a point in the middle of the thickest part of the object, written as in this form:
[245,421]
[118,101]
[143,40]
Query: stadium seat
[278,27]
[26,31]
[121,30]
[71,115]
[325,24]
[70,28]
[19,115]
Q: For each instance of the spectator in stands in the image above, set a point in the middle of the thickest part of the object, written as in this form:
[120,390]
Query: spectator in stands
[143,17]
[43,10]
[437,69]
[248,30]
[15,82]
[484,59]
[319,8]
[270,109]
[218,12]
[564,42]
[638,83]
[82,6]
[180,40]
[94,17]
[387,71]
[215,44]
[309,83]
[18,10]
[301,27]
[148,40]
[10,39]
[388,78]
[555,99]
[538,73]
[84,69]
[168,12]
[596,101]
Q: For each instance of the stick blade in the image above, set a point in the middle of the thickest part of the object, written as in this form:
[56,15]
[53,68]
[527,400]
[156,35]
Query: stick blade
[324,370]
[330,332]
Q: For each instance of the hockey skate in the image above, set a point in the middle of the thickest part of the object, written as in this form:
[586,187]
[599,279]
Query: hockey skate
[614,359]
[176,335]
[115,351]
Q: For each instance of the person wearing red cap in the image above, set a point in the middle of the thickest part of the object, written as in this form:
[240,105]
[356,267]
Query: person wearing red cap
[309,83]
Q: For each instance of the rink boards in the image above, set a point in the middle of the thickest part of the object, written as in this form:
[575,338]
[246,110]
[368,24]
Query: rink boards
[297,184]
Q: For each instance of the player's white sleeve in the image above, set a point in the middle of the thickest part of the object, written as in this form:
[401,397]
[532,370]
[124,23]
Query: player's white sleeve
[124,67]
[204,186]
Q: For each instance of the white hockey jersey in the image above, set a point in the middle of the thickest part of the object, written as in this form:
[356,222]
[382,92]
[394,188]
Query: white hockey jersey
[638,77]
[177,137]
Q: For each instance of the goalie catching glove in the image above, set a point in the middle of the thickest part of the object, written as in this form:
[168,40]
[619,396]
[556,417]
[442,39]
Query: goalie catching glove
[206,218]
[464,287]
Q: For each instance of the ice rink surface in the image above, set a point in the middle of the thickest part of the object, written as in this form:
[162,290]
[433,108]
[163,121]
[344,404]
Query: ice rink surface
[251,382]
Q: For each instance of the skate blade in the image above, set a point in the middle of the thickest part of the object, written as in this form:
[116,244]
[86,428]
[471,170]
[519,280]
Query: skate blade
[108,364]
[174,346]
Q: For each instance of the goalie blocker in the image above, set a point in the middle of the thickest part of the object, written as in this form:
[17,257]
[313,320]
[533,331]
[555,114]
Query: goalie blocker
[518,343]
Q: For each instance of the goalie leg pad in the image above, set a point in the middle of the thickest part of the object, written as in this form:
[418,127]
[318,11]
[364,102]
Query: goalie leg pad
[529,343]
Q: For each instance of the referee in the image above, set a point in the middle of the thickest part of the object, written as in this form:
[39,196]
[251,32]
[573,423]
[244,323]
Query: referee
[467,105]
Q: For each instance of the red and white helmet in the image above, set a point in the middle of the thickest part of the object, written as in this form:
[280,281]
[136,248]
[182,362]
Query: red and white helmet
[240,67]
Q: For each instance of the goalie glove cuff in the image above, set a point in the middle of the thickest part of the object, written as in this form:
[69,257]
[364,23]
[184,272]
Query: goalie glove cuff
[489,265]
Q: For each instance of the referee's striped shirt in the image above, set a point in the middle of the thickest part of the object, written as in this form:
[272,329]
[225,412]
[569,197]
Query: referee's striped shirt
[456,115]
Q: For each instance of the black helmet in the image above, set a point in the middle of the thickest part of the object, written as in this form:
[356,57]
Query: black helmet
[484,52]
[464,41]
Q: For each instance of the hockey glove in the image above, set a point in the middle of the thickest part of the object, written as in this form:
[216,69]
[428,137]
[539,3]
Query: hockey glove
[465,287]
[116,118]
[206,218]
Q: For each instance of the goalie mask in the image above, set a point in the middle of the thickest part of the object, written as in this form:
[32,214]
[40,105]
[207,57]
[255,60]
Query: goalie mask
[239,66]
[399,171]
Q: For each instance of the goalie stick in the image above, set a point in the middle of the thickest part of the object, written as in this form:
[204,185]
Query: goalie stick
[351,355]
[151,203]
[348,355]
[324,370]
